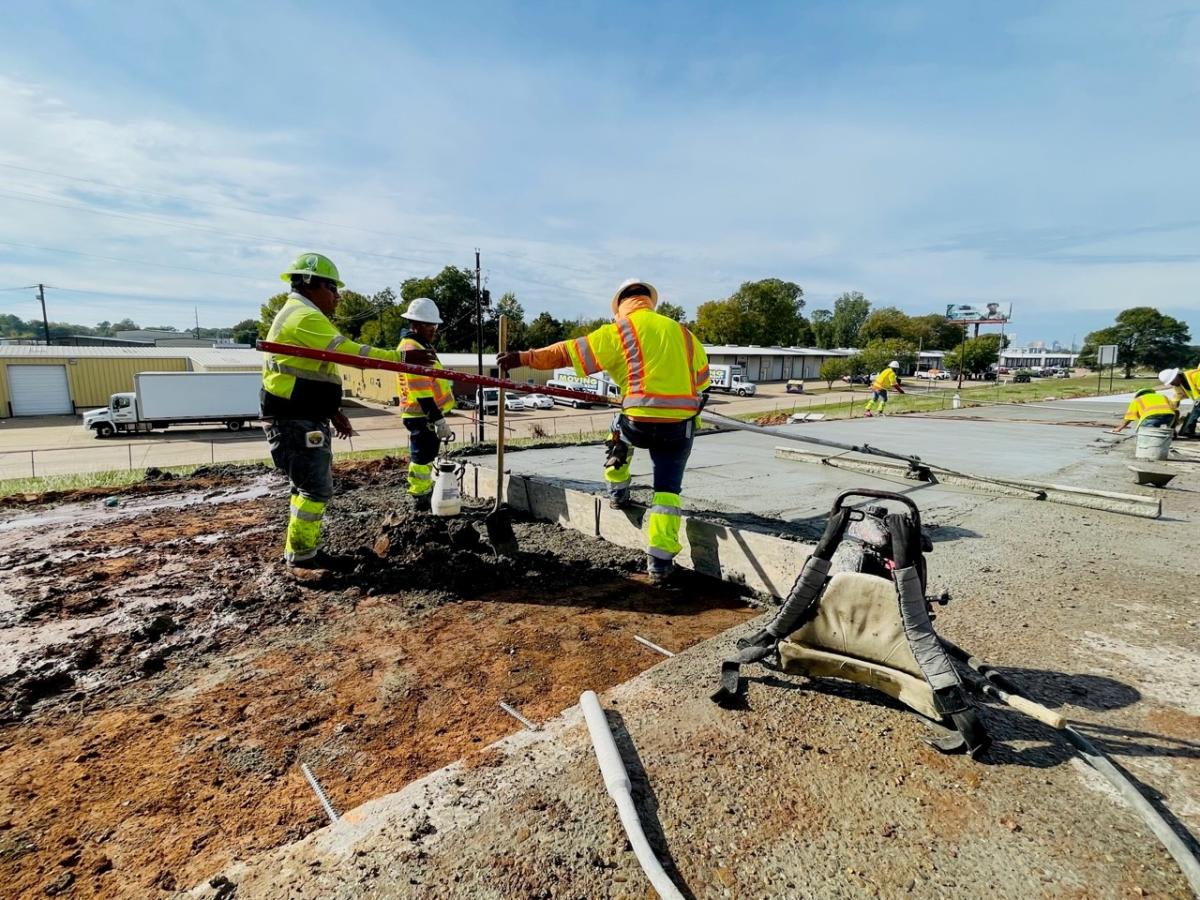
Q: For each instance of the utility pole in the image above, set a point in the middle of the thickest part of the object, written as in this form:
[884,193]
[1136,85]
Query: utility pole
[45,321]
[196,310]
[962,356]
[479,407]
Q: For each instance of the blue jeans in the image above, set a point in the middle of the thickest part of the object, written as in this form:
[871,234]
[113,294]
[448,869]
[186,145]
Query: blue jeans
[669,444]
[423,443]
[1189,424]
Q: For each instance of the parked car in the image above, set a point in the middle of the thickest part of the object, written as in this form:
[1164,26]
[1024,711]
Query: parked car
[1003,370]
[538,401]
[1022,377]
[795,386]
[514,402]
[1063,373]
[988,376]
[857,379]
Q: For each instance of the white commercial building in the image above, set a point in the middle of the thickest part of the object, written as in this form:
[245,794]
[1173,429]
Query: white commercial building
[765,364]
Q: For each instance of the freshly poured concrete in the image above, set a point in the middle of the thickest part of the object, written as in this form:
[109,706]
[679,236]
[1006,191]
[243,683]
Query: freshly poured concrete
[737,472]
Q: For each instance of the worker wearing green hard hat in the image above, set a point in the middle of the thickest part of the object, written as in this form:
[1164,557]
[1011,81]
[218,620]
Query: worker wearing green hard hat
[301,402]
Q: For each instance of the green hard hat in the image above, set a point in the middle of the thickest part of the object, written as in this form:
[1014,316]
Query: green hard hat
[314,265]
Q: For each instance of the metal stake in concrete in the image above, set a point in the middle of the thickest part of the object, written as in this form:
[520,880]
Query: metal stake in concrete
[653,646]
[520,718]
[312,781]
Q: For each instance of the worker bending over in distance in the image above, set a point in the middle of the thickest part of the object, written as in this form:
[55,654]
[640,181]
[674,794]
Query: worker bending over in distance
[884,381]
[1185,383]
[424,401]
[1149,409]
[301,398]
[662,371]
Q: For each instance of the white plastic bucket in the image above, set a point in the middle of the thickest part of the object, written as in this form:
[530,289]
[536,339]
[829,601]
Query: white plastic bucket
[446,499]
[1152,443]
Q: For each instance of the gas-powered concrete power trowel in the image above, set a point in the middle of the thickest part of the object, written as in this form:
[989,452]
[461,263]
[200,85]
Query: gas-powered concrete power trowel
[858,611]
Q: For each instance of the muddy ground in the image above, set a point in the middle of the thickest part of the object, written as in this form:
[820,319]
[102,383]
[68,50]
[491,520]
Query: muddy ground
[162,675]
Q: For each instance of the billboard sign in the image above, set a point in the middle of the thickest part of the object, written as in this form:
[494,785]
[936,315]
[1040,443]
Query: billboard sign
[1106,355]
[978,313]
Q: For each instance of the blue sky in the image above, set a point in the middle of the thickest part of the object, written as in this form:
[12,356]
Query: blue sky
[1043,154]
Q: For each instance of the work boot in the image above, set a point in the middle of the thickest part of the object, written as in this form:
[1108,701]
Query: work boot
[619,500]
[330,562]
[868,414]
[659,570]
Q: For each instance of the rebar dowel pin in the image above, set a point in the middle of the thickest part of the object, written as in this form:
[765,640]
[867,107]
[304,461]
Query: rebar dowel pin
[653,646]
[520,718]
[315,785]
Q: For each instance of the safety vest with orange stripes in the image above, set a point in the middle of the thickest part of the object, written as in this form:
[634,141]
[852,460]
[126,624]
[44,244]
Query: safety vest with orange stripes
[413,387]
[1152,404]
[657,362]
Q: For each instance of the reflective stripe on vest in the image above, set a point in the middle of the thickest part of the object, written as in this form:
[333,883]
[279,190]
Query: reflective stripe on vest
[414,387]
[1150,405]
[658,396]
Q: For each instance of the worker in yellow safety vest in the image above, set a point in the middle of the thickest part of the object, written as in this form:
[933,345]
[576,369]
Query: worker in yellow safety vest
[1149,409]
[884,381]
[424,401]
[301,398]
[662,371]
[1186,386]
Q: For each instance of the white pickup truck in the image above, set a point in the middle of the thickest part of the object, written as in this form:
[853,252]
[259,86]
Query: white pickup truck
[161,399]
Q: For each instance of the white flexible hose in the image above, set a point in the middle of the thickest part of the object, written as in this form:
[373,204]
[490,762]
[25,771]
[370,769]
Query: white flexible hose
[616,780]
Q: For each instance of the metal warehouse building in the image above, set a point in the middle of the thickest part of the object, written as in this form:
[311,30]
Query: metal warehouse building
[36,380]
[763,364]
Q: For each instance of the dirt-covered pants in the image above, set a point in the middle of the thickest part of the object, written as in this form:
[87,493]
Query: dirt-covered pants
[301,449]
[423,446]
[670,445]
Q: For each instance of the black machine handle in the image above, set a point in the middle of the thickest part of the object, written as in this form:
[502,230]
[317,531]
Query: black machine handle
[839,503]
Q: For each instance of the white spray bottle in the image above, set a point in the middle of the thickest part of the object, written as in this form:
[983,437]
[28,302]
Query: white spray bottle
[447,498]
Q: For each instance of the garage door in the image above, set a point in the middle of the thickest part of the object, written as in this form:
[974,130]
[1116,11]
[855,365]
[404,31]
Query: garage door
[39,390]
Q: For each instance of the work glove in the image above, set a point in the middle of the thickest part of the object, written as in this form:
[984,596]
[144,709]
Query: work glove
[509,360]
[443,430]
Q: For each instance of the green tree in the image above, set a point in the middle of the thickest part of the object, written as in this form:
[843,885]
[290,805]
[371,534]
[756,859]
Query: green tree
[722,322]
[834,369]
[850,311]
[582,326]
[104,329]
[544,331]
[352,313]
[672,311]
[822,328]
[453,290]
[266,313]
[245,331]
[883,323]
[933,332]
[126,325]
[518,336]
[772,311]
[1144,337]
[975,356]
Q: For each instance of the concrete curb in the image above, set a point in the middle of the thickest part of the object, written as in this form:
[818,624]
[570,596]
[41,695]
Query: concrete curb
[765,564]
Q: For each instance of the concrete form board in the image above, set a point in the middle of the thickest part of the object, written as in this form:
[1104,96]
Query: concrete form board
[763,563]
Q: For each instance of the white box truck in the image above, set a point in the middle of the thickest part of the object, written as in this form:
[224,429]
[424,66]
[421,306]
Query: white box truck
[599,384]
[161,399]
[731,380]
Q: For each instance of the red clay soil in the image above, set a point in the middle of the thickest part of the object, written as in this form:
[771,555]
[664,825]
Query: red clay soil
[144,753]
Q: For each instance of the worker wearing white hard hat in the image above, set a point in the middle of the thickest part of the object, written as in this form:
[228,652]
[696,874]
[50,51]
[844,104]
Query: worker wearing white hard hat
[882,383]
[424,400]
[1186,385]
[662,370]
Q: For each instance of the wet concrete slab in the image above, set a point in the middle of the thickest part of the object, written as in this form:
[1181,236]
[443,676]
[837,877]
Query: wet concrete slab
[738,471]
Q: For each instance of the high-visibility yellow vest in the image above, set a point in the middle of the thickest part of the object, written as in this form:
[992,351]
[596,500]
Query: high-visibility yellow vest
[301,323]
[659,365]
[414,387]
[1192,378]
[1154,404]
[884,380]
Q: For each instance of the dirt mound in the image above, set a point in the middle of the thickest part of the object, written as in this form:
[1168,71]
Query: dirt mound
[775,418]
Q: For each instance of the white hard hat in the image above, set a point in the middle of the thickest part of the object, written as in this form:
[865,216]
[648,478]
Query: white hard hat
[894,364]
[628,284]
[1166,376]
[422,309]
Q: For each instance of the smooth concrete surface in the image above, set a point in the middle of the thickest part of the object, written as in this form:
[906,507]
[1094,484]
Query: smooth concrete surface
[737,472]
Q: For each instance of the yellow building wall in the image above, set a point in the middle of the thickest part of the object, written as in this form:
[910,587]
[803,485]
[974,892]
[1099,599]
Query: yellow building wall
[93,380]
[378,386]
